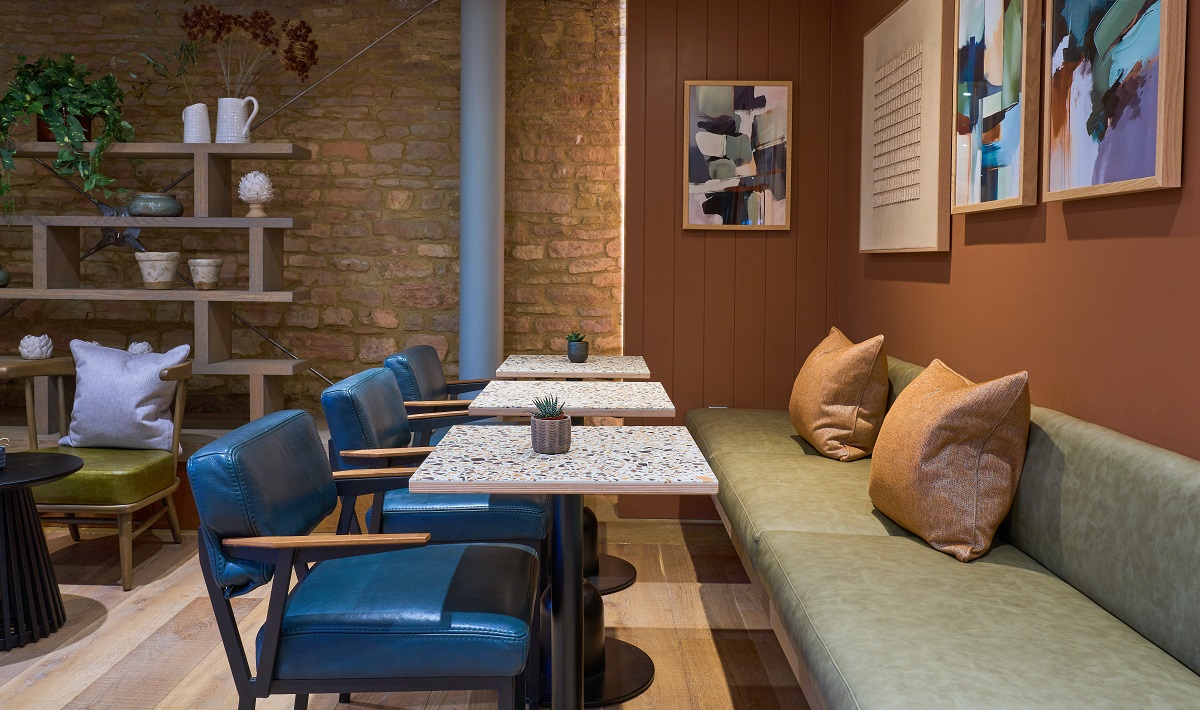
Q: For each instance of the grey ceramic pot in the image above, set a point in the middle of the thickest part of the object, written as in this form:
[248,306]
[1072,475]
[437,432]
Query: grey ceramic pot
[154,204]
[551,436]
[577,351]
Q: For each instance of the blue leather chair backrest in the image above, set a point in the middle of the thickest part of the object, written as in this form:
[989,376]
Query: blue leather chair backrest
[269,477]
[365,411]
[419,373]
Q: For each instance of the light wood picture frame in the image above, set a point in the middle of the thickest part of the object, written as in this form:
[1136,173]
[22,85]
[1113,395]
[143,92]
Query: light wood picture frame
[1122,133]
[997,104]
[737,155]
[905,171]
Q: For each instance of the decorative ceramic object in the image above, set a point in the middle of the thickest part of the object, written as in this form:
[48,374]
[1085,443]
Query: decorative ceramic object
[206,273]
[140,348]
[549,427]
[255,190]
[36,347]
[196,128]
[577,347]
[158,268]
[154,204]
[233,126]
[5,277]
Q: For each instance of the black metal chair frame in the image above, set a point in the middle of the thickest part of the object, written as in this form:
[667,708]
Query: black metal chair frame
[511,691]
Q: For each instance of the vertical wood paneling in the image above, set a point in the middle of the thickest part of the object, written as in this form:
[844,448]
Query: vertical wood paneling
[688,372]
[780,266]
[719,254]
[722,317]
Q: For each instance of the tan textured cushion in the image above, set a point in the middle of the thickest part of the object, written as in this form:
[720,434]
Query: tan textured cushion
[949,457]
[840,396]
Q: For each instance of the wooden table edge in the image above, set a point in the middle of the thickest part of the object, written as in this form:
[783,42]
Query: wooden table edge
[573,412]
[602,376]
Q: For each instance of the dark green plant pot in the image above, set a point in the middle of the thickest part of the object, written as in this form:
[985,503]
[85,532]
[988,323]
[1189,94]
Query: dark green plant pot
[154,204]
[5,277]
[577,352]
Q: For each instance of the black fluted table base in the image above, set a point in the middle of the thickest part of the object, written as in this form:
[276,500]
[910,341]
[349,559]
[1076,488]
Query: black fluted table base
[29,597]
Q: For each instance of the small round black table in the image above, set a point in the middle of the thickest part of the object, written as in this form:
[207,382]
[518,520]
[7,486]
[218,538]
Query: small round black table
[32,605]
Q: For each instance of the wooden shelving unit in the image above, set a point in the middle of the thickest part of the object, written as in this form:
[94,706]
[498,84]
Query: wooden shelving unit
[56,252]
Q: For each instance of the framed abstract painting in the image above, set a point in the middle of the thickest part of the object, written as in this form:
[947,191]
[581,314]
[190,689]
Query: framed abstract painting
[1113,97]
[737,154]
[996,99]
[905,173]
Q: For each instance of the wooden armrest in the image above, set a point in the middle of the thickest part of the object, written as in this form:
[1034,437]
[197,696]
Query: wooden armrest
[37,368]
[326,540]
[438,415]
[182,371]
[480,381]
[360,473]
[387,453]
[419,403]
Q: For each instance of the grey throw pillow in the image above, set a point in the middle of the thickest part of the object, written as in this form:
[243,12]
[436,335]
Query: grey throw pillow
[120,402]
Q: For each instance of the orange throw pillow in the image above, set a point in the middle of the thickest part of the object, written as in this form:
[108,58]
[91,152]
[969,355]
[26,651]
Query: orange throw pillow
[840,396]
[949,457]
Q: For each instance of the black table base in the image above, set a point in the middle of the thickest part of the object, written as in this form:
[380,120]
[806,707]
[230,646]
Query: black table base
[32,605]
[607,573]
[628,672]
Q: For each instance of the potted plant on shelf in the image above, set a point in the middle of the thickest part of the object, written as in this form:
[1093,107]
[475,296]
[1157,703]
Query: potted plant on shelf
[577,347]
[58,93]
[551,429]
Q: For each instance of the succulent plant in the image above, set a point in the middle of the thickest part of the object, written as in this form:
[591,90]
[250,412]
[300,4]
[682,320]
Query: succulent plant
[575,337]
[548,407]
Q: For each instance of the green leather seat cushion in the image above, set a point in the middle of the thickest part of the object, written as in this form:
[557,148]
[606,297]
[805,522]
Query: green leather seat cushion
[723,431]
[888,622]
[761,492]
[109,477]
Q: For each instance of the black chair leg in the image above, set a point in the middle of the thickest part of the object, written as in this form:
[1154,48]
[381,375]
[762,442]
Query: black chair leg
[506,695]
[301,702]
[246,702]
[343,697]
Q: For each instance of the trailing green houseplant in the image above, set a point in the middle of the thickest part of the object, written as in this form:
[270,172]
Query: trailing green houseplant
[577,347]
[58,92]
[549,427]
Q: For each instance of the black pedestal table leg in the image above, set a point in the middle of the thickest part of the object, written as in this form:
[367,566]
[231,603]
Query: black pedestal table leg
[567,613]
[32,606]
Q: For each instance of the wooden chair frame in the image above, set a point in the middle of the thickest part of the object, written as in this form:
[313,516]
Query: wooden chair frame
[74,516]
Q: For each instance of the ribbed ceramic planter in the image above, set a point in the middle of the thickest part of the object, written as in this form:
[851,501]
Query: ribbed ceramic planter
[154,204]
[158,268]
[551,436]
[577,351]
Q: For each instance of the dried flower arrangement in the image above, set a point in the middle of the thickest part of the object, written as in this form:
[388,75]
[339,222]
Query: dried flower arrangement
[249,45]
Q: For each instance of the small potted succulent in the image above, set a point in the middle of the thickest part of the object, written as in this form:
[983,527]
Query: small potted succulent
[551,429]
[577,347]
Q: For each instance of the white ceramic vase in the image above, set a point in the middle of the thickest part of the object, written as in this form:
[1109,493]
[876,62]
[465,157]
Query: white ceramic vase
[196,128]
[206,273]
[158,268]
[36,347]
[233,125]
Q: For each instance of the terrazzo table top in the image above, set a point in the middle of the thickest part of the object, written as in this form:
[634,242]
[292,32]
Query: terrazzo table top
[603,459]
[600,367]
[582,399]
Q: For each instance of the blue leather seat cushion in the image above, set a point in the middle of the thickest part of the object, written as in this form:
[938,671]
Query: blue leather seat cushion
[441,610]
[465,517]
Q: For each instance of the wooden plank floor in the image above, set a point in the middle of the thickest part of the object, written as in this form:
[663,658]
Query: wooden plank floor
[692,610]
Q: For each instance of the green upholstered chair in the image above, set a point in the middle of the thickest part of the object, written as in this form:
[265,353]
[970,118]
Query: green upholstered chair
[113,484]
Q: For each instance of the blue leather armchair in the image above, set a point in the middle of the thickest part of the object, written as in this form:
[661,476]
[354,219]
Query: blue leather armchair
[368,427]
[419,373]
[370,613]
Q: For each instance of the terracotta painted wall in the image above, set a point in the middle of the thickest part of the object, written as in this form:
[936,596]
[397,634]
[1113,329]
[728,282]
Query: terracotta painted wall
[1096,298]
[724,318]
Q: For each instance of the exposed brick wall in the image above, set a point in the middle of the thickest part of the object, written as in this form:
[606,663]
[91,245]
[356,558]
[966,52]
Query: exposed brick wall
[382,189]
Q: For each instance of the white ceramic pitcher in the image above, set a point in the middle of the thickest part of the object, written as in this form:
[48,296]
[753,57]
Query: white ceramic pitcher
[196,128]
[232,124]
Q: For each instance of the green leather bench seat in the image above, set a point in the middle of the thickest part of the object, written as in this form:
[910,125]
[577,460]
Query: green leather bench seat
[808,493]
[109,477]
[887,622]
[764,431]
